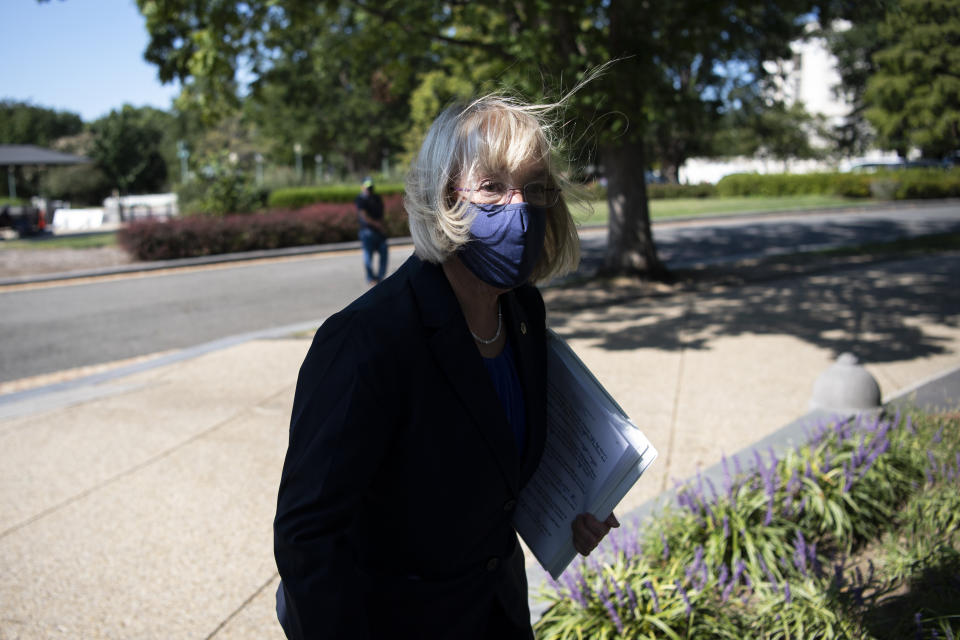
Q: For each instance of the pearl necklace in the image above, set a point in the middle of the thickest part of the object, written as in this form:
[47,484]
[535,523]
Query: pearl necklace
[497,334]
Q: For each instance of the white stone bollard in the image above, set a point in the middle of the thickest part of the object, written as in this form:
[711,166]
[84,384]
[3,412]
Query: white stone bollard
[846,387]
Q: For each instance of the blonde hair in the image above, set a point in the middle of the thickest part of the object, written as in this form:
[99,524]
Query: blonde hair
[495,134]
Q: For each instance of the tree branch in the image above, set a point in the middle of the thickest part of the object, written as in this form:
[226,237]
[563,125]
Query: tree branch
[386,16]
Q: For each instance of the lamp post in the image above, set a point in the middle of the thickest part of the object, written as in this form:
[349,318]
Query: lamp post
[183,153]
[258,158]
[318,167]
[298,151]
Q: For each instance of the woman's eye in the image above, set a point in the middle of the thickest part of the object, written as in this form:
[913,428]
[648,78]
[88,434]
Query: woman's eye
[491,187]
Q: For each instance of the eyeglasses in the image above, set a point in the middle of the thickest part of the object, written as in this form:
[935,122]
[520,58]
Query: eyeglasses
[535,193]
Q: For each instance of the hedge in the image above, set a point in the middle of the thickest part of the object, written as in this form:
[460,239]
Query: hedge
[905,184]
[202,236]
[296,197]
[655,191]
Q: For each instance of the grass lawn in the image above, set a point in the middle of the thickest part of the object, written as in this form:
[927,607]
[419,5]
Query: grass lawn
[77,241]
[671,208]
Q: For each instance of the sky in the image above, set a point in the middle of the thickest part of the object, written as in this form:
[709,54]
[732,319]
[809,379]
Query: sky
[83,56]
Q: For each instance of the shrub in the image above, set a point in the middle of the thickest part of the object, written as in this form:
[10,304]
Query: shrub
[655,191]
[910,183]
[663,191]
[296,197]
[928,183]
[220,189]
[767,553]
[204,235]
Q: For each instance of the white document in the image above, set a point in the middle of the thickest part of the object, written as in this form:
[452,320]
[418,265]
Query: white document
[593,455]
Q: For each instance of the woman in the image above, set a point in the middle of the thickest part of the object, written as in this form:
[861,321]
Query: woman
[420,411]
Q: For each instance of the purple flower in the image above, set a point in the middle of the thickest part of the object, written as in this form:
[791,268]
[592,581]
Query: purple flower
[847,478]
[666,547]
[575,591]
[727,480]
[938,436]
[727,590]
[617,591]
[736,466]
[653,596]
[770,578]
[726,526]
[749,584]
[794,483]
[813,559]
[683,594]
[800,555]
[613,614]
[758,460]
[786,593]
[633,597]
[909,426]
[724,574]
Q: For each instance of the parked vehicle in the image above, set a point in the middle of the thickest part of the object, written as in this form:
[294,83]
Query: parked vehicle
[25,219]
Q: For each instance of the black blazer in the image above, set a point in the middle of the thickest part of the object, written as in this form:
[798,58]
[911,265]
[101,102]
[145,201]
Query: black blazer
[401,474]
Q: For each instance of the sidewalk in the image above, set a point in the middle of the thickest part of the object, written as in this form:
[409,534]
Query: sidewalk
[140,505]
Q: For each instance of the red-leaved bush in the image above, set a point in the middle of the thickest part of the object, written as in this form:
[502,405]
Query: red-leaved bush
[193,236]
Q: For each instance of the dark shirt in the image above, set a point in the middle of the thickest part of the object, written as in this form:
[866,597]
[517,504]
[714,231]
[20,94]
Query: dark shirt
[503,374]
[372,205]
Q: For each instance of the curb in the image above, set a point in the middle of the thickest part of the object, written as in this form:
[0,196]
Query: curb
[354,245]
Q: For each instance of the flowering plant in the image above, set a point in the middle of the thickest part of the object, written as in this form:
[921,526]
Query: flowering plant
[821,542]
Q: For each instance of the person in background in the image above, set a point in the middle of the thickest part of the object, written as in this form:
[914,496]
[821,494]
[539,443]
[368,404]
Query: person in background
[421,409]
[373,235]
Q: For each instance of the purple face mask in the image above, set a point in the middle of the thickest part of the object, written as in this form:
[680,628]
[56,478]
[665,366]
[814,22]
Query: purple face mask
[505,243]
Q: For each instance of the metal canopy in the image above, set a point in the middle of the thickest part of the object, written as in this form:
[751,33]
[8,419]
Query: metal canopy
[27,154]
[19,155]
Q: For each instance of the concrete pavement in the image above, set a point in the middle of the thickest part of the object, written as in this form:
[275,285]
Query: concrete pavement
[140,505]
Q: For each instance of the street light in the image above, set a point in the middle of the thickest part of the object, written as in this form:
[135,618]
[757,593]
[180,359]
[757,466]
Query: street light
[298,150]
[258,158]
[183,153]
[317,167]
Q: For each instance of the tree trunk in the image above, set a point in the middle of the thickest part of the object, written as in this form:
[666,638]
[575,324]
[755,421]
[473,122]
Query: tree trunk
[630,247]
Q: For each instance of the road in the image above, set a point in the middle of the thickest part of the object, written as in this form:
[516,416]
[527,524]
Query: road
[48,329]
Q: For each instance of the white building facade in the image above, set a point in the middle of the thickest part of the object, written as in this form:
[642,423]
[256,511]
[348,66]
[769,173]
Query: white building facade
[809,77]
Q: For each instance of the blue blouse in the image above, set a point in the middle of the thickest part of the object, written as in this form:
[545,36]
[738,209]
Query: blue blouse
[503,374]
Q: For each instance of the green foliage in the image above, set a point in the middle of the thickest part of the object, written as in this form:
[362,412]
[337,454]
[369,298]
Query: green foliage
[209,235]
[342,79]
[767,553]
[900,185]
[127,147]
[23,123]
[219,188]
[672,191]
[914,96]
[83,184]
[295,197]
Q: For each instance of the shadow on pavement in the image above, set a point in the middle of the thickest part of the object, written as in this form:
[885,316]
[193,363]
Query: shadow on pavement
[877,310]
[681,245]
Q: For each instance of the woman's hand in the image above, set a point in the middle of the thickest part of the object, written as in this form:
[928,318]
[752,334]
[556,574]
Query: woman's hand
[588,531]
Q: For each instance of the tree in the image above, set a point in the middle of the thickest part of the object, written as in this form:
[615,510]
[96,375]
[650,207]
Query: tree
[128,147]
[24,123]
[854,43]
[529,44]
[914,96]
